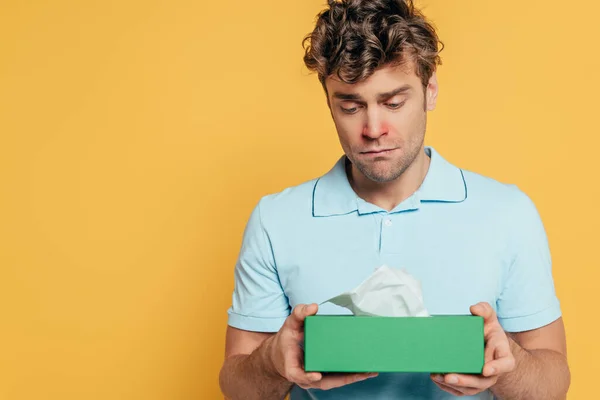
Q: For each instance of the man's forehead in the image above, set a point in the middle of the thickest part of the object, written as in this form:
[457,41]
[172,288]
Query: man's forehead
[382,80]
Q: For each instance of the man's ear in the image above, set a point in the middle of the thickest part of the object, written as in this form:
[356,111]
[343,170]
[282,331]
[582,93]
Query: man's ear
[431,93]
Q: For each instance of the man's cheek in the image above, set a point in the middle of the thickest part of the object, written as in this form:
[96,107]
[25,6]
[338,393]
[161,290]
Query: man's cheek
[385,126]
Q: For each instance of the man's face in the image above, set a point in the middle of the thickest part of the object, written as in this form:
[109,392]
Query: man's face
[381,121]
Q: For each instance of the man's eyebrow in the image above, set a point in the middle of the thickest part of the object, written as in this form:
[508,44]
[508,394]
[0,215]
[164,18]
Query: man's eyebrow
[347,96]
[401,90]
[382,96]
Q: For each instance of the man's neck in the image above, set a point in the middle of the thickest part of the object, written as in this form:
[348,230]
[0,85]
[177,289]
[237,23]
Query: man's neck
[389,194]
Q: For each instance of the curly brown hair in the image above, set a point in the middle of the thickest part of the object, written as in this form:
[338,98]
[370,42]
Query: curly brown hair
[353,38]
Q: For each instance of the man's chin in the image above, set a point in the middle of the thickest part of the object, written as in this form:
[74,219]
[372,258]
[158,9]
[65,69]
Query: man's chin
[380,176]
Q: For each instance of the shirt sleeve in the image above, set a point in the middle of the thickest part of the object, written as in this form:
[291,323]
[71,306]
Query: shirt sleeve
[259,302]
[528,299]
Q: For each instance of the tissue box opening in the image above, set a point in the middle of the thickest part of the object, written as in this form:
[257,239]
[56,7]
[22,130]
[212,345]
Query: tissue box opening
[437,344]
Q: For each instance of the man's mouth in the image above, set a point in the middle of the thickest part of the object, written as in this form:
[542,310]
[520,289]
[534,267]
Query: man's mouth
[377,152]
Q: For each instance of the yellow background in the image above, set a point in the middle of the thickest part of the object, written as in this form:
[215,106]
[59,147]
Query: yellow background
[135,138]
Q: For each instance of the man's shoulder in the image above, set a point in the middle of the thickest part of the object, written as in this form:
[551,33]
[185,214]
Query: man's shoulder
[489,191]
[289,201]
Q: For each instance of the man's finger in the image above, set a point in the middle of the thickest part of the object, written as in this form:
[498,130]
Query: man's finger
[499,366]
[496,348]
[448,389]
[498,359]
[484,310]
[298,376]
[296,319]
[489,352]
[334,381]
[462,381]
[502,350]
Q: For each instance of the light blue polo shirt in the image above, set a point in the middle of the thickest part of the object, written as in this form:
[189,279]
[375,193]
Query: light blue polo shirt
[466,237]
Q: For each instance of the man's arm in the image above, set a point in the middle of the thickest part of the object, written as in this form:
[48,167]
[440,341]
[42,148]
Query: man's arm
[247,371]
[541,370]
[264,366]
[529,365]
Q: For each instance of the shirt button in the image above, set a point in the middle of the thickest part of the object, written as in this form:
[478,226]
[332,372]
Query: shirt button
[388,222]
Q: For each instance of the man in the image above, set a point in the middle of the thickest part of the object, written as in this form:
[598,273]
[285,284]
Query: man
[475,244]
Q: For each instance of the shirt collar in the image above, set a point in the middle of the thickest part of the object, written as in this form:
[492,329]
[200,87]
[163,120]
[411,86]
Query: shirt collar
[333,195]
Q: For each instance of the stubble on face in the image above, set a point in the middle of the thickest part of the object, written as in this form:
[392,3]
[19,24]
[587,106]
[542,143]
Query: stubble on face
[402,130]
[386,169]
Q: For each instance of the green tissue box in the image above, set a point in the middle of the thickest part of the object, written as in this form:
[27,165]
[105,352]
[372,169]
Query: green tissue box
[436,344]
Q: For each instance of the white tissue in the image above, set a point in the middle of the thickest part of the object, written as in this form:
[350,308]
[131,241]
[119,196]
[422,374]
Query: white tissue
[388,292]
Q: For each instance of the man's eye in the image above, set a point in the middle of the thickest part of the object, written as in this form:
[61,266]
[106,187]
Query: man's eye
[349,110]
[395,106]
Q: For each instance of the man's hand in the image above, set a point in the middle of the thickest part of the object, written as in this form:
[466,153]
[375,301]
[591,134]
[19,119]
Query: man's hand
[498,358]
[287,357]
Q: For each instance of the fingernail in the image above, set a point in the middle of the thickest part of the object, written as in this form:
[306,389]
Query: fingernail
[453,380]
[492,371]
